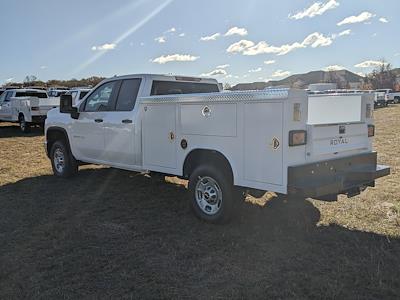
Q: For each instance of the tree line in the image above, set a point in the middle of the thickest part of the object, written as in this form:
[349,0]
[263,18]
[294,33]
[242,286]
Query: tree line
[33,81]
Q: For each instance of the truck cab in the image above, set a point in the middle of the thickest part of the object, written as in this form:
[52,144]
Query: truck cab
[225,143]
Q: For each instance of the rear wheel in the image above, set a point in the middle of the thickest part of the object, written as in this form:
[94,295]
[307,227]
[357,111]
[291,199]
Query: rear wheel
[212,194]
[23,125]
[62,161]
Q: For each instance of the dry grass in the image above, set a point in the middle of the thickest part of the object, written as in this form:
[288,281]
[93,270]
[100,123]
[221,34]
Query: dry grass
[113,234]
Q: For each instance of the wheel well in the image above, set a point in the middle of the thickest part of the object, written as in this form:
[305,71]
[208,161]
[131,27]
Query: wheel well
[204,156]
[53,135]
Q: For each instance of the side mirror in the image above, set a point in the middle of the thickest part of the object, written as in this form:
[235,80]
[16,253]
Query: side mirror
[67,108]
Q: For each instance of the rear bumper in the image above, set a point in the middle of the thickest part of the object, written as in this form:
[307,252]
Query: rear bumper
[348,175]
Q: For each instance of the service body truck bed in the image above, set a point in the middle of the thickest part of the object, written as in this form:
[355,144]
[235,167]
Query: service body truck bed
[272,140]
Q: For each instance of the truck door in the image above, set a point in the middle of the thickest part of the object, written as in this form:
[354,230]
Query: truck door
[88,130]
[119,126]
[5,106]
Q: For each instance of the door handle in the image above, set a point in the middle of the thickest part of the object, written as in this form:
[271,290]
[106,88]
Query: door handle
[98,120]
[127,121]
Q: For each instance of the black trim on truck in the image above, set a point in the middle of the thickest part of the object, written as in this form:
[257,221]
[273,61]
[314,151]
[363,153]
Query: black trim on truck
[38,119]
[348,175]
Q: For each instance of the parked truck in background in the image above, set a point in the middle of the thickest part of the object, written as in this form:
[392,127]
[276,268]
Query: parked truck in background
[26,106]
[77,94]
[224,143]
[394,97]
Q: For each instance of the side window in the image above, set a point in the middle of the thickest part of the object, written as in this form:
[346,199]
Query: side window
[8,96]
[101,99]
[128,94]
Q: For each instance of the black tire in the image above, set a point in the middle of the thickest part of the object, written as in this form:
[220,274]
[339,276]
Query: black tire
[69,167]
[23,125]
[224,187]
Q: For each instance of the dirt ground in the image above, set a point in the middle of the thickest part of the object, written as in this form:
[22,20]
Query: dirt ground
[115,234]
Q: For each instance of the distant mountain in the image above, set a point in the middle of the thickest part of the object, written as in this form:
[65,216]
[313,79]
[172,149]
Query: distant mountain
[343,78]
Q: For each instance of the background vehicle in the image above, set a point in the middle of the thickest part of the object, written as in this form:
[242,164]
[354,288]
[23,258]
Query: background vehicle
[56,93]
[78,94]
[26,106]
[276,140]
[382,97]
[394,97]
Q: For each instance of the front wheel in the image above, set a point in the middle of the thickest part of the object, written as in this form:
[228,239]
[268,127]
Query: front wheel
[62,161]
[23,125]
[212,194]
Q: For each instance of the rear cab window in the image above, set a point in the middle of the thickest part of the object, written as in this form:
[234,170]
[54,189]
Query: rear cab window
[31,94]
[175,87]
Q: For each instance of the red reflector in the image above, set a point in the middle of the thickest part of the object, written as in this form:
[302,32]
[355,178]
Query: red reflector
[297,138]
[371,130]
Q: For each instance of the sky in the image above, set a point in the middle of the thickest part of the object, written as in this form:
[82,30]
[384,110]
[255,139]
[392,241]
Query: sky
[230,40]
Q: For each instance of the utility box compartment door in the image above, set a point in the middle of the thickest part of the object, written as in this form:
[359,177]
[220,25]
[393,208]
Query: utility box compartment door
[159,136]
[263,130]
[209,119]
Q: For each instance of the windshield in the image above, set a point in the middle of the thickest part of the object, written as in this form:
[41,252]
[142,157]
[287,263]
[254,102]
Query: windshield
[172,87]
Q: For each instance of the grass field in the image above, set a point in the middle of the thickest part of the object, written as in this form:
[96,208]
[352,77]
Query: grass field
[113,234]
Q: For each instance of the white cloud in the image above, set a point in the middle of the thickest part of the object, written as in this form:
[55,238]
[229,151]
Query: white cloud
[216,72]
[316,9]
[211,37]
[345,32]
[160,39]
[236,31]
[280,73]
[397,54]
[223,66]
[43,67]
[361,74]
[255,70]
[171,30]
[334,68]
[9,79]
[182,34]
[363,17]
[269,62]
[240,46]
[383,20]
[142,44]
[370,64]
[104,47]
[175,57]
[246,47]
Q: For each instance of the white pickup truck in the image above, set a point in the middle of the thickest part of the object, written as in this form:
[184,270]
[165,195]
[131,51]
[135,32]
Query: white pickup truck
[394,97]
[26,106]
[225,143]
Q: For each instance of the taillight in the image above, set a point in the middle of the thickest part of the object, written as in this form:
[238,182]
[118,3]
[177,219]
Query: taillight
[297,138]
[371,130]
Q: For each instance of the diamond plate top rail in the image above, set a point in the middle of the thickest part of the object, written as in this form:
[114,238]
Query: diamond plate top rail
[270,94]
